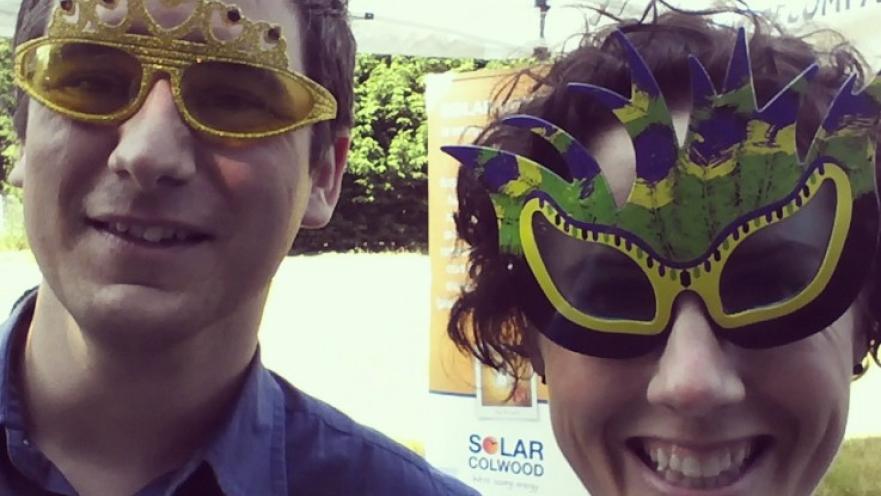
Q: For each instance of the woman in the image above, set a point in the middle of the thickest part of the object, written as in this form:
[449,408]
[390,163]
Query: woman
[698,286]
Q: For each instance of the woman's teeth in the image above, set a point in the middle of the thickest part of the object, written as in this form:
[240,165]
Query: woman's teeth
[705,469]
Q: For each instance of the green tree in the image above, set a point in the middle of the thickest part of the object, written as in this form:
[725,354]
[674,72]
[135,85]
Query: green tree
[8,140]
[385,195]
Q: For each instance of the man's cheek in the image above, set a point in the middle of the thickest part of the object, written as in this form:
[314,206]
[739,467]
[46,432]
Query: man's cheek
[236,177]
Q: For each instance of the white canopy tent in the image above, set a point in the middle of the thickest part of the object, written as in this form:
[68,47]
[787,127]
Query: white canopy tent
[469,28]
[486,29]
[493,29]
[8,14]
[511,28]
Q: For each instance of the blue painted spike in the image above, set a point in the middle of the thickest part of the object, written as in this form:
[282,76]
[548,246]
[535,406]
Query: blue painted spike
[846,103]
[853,113]
[580,163]
[702,88]
[782,109]
[654,139]
[494,172]
[655,146]
[607,97]
[739,68]
[640,74]
[468,155]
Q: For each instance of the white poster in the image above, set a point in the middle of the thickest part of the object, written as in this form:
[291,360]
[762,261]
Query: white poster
[488,430]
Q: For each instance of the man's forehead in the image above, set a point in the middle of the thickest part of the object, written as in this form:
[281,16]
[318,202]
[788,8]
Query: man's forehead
[172,13]
[224,23]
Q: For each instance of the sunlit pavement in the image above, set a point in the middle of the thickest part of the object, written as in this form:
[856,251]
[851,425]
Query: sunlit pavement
[353,330]
[865,404]
[349,329]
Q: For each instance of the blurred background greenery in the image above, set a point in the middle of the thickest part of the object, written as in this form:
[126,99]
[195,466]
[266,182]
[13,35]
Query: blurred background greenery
[856,471]
[384,204]
[8,142]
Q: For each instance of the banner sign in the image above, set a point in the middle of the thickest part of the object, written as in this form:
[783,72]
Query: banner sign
[856,20]
[496,440]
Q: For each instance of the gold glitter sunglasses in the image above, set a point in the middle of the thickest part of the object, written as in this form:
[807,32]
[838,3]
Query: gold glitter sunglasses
[222,89]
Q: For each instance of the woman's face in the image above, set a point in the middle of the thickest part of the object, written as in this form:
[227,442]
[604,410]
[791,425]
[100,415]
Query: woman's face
[700,417]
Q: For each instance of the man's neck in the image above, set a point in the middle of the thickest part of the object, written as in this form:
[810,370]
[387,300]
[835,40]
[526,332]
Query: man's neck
[137,415]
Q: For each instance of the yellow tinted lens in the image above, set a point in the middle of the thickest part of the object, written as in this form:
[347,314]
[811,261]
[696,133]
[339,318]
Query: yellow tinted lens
[238,98]
[83,77]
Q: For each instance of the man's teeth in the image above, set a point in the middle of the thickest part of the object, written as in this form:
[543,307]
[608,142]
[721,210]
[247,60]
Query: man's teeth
[707,469]
[151,234]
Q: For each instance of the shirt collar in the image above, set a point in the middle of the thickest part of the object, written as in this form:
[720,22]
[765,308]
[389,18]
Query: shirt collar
[247,455]
[10,414]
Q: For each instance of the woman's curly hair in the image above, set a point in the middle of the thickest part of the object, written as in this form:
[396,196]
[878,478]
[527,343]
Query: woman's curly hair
[490,319]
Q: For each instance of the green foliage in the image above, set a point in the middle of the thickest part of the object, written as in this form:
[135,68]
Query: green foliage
[384,205]
[12,233]
[8,140]
[855,471]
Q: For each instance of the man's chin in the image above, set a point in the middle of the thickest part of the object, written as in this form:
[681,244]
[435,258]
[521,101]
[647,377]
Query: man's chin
[139,317]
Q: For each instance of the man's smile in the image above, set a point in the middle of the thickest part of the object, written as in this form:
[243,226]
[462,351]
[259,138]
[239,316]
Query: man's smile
[155,232]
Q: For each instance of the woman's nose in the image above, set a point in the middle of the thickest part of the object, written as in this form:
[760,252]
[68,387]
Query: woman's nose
[695,374]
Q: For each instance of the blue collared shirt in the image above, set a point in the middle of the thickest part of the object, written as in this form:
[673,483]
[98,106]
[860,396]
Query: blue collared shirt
[278,441]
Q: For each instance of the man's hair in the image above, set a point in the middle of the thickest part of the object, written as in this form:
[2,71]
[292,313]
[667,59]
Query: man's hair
[328,50]
[489,319]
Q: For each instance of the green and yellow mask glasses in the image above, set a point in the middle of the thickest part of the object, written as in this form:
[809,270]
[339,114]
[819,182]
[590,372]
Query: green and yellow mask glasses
[232,82]
[775,246]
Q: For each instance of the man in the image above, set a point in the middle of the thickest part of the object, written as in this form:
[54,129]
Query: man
[172,150]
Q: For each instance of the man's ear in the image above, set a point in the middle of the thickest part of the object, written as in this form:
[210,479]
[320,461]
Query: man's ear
[327,178]
[16,175]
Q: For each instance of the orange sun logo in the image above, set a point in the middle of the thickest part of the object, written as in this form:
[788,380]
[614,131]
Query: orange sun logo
[490,445]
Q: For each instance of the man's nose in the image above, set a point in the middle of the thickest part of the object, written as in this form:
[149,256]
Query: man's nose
[155,145]
[695,375]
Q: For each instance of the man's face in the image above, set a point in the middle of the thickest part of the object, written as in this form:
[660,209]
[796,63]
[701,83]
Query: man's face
[701,415]
[98,197]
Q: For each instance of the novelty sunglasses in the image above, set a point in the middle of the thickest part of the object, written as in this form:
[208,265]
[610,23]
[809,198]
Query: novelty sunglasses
[765,267]
[105,81]
[772,245]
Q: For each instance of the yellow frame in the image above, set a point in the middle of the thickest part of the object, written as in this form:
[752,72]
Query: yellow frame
[705,284]
[156,60]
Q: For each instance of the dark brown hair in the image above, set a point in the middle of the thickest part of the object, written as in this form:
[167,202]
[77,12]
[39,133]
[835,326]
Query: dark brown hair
[328,48]
[489,319]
